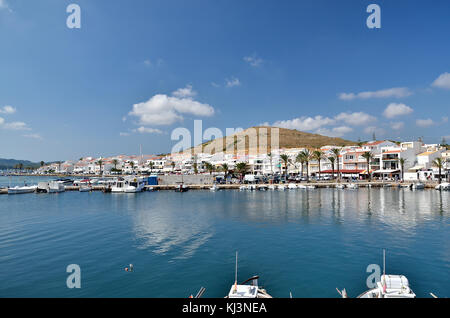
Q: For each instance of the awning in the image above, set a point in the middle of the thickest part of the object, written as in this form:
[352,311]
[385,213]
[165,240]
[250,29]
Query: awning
[415,168]
[365,171]
[342,171]
[386,171]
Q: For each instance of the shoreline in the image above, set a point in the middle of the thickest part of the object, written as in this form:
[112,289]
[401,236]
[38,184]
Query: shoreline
[317,185]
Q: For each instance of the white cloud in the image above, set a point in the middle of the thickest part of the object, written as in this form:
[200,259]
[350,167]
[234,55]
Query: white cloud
[1,121]
[424,122]
[4,5]
[165,110]
[7,110]
[305,123]
[123,134]
[146,130]
[185,92]
[33,136]
[334,132]
[397,92]
[232,82]
[374,129]
[253,60]
[397,125]
[16,125]
[148,63]
[215,84]
[443,81]
[394,110]
[356,119]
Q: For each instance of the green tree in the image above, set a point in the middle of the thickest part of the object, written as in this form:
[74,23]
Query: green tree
[306,155]
[402,162]
[438,163]
[332,160]
[115,162]
[42,163]
[369,157]
[242,168]
[100,163]
[318,156]
[285,160]
[337,152]
[225,169]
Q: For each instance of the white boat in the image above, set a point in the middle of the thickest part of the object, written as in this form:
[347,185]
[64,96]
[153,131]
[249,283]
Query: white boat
[418,185]
[242,188]
[352,186]
[443,186]
[292,186]
[281,187]
[272,187]
[311,187]
[247,289]
[302,186]
[22,190]
[128,185]
[262,188]
[390,286]
[340,186]
[214,188]
[85,188]
[51,187]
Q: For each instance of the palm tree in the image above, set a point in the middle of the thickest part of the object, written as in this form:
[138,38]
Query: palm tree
[306,155]
[402,162]
[242,168]
[209,167]
[318,156]
[225,169]
[368,156]
[300,158]
[285,159]
[132,166]
[115,162]
[270,158]
[332,161]
[439,164]
[173,166]
[151,166]
[336,152]
[100,163]
[42,163]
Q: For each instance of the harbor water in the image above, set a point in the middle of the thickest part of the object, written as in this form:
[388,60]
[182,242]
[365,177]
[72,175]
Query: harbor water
[307,242]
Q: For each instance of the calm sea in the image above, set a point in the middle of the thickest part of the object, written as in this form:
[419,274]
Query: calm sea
[304,242]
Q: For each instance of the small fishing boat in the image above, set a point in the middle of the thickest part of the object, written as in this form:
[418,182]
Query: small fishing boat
[134,185]
[247,289]
[281,187]
[352,186]
[214,188]
[181,188]
[390,286]
[22,190]
[340,186]
[85,188]
[292,186]
[418,186]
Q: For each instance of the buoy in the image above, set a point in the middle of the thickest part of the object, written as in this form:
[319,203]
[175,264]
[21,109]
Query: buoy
[126,269]
[131,267]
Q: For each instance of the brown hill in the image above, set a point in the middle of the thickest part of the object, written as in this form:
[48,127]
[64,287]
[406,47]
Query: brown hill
[259,140]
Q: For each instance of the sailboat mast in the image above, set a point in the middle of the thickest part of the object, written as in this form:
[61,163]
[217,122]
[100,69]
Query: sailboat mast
[384,261]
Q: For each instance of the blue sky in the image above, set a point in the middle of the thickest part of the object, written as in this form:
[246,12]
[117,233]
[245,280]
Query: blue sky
[309,65]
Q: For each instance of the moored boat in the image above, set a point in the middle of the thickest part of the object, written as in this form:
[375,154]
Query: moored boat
[22,190]
[443,186]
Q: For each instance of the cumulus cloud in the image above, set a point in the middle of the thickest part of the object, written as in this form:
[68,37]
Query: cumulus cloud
[424,122]
[357,118]
[163,110]
[253,60]
[7,110]
[397,92]
[305,123]
[397,125]
[443,81]
[335,131]
[394,110]
[147,130]
[232,82]
[16,125]
[4,5]
[184,92]
[123,134]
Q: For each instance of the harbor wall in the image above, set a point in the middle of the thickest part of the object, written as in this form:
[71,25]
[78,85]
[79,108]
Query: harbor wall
[199,179]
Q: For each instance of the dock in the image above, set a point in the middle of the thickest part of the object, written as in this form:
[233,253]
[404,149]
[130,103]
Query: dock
[318,185]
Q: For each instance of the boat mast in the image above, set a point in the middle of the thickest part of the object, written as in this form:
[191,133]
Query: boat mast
[384,261]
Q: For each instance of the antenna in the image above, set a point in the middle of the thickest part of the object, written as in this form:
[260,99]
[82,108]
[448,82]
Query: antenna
[236,269]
